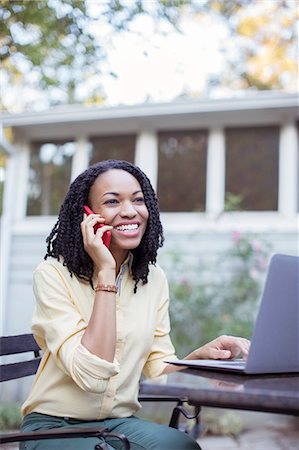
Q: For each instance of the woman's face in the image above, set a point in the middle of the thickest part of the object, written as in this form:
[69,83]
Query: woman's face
[117,196]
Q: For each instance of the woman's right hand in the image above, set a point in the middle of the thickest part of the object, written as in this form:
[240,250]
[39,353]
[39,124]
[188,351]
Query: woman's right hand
[93,242]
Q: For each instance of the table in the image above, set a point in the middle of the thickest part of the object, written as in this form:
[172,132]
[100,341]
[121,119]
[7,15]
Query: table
[277,393]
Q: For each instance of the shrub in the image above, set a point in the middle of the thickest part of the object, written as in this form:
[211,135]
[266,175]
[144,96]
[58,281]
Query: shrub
[10,416]
[203,308]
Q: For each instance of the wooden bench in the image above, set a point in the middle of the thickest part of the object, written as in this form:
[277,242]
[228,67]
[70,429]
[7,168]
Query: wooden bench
[25,343]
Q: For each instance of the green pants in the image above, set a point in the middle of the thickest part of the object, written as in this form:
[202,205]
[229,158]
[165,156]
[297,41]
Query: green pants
[142,434]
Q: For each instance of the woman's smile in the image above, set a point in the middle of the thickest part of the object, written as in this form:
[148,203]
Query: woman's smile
[128,229]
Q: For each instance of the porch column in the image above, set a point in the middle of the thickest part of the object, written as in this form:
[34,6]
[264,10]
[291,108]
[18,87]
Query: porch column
[215,189]
[146,155]
[81,157]
[22,180]
[288,170]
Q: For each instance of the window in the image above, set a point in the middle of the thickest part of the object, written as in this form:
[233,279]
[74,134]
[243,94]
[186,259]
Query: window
[113,147]
[252,168]
[49,176]
[182,171]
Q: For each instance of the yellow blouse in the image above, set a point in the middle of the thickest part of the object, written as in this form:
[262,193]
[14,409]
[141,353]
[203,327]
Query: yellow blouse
[72,382]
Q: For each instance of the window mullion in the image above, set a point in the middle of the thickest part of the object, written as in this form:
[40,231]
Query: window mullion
[81,157]
[23,158]
[215,191]
[146,155]
[288,167]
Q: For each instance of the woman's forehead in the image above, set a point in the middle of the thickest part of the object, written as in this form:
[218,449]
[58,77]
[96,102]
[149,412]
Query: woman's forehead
[116,180]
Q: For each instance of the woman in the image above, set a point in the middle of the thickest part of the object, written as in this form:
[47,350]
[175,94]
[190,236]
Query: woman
[102,313]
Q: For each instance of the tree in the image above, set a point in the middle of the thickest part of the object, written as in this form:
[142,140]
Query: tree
[51,46]
[47,44]
[272,62]
[262,52]
[120,13]
[262,48]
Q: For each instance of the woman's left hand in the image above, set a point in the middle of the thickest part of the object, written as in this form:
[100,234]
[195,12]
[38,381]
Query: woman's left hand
[223,347]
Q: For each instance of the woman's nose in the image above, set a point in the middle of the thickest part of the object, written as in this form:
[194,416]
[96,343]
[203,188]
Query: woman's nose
[128,210]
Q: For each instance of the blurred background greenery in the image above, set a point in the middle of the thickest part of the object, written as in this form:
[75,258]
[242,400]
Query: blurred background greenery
[209,301]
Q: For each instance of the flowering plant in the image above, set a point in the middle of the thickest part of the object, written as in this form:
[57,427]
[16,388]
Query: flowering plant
[252,250]
[220,299]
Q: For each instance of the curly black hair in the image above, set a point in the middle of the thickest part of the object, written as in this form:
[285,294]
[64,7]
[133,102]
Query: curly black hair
[65,239]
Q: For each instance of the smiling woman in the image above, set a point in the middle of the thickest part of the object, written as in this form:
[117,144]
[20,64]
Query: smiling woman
[102,315]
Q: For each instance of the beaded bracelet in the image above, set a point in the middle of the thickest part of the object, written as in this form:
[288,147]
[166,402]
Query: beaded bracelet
[106,287]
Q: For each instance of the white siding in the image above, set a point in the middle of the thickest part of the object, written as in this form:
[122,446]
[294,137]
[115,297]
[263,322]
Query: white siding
[26,253]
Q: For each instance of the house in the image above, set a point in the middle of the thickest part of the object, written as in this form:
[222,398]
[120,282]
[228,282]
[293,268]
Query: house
[218,165]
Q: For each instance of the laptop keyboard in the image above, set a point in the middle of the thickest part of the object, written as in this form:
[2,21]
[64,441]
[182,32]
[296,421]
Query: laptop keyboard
[235,363]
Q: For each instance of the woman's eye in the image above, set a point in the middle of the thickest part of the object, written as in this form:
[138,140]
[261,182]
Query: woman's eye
[111,201]
[139,200]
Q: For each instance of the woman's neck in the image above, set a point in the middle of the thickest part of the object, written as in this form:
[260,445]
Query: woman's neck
[120,256]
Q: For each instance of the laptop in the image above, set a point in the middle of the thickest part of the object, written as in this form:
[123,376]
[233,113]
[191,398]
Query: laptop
[275,340]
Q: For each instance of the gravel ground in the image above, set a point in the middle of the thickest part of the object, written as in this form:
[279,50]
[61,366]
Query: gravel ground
[271,433]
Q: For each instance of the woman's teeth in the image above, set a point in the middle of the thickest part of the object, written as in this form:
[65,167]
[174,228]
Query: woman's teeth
[128,227]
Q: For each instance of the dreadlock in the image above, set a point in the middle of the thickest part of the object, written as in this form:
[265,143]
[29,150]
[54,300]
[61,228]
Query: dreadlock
[65,240]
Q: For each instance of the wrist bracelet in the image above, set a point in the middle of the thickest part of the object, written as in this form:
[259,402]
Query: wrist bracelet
[106,287]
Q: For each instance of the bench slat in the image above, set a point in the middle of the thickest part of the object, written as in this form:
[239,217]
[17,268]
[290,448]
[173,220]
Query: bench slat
[20,369]
[23,343]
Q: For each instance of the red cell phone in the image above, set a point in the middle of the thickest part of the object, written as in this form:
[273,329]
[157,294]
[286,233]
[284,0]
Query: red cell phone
[107,235]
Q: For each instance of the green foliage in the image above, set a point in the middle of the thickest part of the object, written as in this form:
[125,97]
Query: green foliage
[52,45]
[233,202]
[266,42]
[51,40]
[225,424]
[220,299]
[10,416]
[120,13]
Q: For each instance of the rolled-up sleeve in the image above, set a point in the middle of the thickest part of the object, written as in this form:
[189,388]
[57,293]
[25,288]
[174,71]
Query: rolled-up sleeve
[90,372]
[162,347]
[58,327]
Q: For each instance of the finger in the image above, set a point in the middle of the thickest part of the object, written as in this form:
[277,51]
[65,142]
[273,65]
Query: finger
[105,227]
[243,346]
[235,344]
[91,224]
[101,230]
[246,348]
[244,343]
[94,219]
[88,227]
[219,354]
